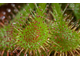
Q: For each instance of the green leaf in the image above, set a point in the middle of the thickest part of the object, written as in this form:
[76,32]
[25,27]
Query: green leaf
[2,4]
[76,9]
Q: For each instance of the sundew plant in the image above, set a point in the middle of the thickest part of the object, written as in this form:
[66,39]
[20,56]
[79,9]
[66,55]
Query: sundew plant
[40,29]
